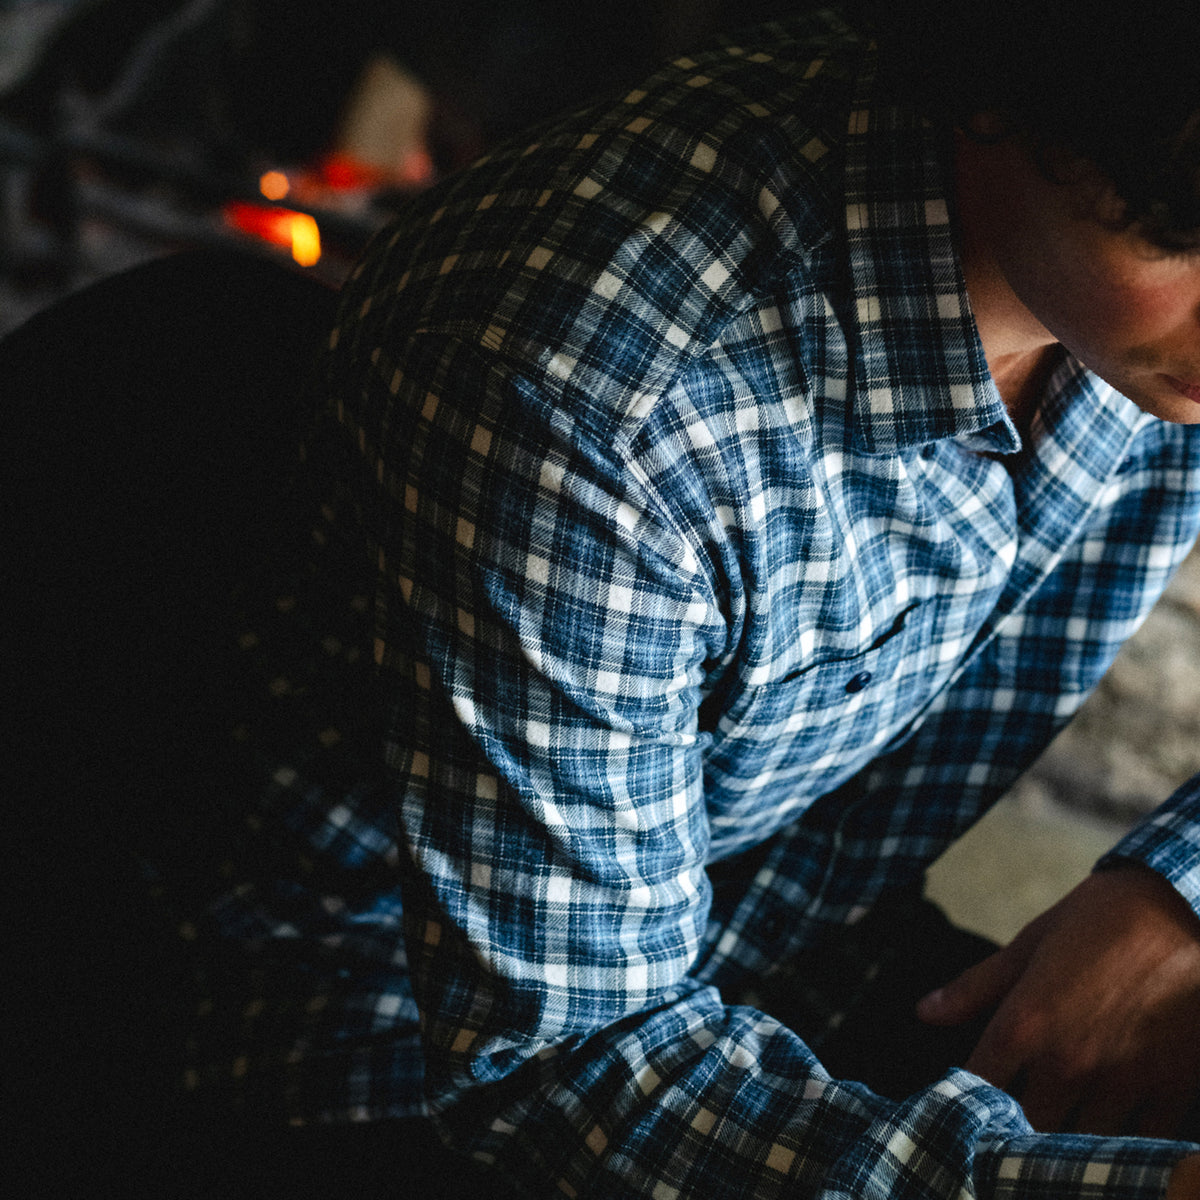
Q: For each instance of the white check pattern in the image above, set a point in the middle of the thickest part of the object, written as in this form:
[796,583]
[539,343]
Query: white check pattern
[698,526]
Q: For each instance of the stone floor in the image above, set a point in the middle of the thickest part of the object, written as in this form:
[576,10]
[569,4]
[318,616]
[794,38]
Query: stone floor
[1026,854]
[1133,743]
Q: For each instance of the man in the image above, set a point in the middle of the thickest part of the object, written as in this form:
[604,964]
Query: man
[755,471]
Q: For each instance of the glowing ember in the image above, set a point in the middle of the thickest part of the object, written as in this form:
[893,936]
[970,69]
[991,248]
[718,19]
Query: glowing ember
[306,240]
[340,171]
[279,226]
[274,185]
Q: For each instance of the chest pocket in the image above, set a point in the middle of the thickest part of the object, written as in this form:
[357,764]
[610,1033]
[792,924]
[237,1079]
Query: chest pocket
[828,679]
[858,667]
[819,723]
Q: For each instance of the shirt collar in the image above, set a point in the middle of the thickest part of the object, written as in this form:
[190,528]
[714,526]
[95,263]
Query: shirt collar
[920,372]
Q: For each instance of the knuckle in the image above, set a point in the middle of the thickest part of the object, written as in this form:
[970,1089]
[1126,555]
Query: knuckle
[1022,1033]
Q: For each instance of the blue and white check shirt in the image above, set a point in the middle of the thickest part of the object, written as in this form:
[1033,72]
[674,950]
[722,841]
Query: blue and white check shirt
[697,525]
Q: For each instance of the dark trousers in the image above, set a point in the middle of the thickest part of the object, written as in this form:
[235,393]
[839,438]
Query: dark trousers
[149,428]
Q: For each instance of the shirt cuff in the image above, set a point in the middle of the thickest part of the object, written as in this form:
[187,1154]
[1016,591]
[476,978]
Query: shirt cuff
[1168,842]
[1071,1167]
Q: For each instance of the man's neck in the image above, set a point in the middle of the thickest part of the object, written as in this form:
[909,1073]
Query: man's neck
[1020,351]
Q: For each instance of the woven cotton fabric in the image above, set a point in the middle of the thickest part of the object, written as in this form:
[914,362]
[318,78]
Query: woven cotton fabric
[697,530]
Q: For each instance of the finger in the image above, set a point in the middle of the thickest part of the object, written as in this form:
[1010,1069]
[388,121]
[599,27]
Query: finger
[1112,1108]
[976,990]
[991,1061]
[1168,1114]
[1051,1108]
[1050,1105]
[1185,1180]
[985,984]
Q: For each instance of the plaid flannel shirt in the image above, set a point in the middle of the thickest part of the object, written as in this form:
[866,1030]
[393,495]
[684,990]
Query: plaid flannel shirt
[698,526]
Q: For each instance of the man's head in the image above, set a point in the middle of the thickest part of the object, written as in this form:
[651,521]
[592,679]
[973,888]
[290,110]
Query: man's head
[1112,82]
[1077,160]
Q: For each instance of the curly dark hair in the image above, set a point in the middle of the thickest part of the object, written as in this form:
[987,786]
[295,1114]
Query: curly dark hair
[1113,82]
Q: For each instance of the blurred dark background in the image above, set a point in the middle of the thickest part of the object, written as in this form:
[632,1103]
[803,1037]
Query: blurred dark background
[132,127]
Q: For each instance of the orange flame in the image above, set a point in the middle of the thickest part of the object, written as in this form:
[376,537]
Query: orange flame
[341,171]
[279,226]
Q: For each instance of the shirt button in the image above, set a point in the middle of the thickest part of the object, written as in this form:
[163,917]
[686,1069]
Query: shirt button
[772,926]
[858,682]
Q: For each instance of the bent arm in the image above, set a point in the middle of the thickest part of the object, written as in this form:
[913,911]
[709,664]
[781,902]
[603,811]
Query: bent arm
[548,792]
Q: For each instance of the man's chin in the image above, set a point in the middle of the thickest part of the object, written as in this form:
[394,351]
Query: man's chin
[1154,394]
[1178,410]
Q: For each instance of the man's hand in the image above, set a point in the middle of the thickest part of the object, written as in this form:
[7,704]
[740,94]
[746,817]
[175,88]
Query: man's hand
[1185,1180]
[1097,1012]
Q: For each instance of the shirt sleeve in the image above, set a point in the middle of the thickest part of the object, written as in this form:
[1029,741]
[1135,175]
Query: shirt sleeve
[1168,841]
[545,628]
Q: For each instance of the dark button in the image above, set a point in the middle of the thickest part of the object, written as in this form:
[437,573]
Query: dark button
[858,682]
[772,926]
